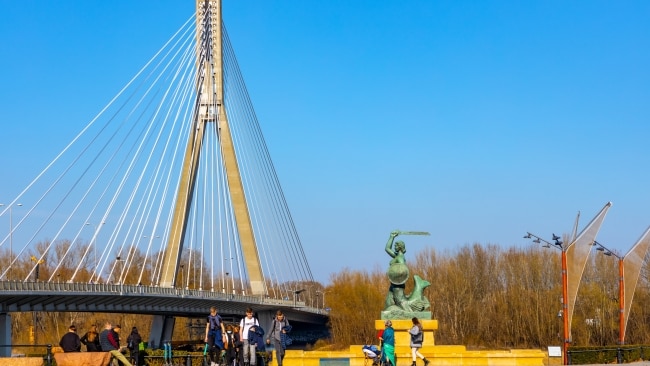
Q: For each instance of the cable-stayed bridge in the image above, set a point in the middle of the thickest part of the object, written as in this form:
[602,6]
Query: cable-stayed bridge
[165,203]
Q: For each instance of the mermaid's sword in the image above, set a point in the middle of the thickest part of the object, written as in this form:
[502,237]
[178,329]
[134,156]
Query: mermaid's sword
[414,233]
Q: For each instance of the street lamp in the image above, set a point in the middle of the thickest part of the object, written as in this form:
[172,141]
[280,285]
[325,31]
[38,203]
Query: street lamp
[576,252]
[225,288]
[11,240]
[320,294]
[119,259]
[295,295]
[38,264]
[558,244]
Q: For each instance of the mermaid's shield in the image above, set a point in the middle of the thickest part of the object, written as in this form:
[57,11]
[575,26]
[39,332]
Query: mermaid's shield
[398,273]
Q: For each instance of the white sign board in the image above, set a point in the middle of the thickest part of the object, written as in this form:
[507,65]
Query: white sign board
[554,351]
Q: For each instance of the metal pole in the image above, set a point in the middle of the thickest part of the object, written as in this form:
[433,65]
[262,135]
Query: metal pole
[621,303]
[48,356]
[11,244]
[565,307]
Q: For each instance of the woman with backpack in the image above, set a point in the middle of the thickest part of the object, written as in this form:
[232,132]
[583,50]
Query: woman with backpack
[417,337]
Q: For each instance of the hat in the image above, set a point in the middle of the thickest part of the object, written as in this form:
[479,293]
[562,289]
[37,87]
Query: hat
[388,323]
[117,326]
[72,327]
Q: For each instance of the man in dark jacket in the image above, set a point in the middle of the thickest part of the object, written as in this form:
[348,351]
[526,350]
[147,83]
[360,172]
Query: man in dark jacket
[70,342]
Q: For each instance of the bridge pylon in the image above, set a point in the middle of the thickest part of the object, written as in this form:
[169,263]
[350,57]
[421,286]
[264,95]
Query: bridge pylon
[211,112]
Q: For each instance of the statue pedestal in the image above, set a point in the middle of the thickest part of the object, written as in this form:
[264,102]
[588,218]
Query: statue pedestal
[402,335]
[398,314]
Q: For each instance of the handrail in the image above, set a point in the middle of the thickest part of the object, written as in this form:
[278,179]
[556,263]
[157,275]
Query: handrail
[85,288]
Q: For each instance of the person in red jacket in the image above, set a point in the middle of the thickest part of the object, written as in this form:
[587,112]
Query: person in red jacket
[110,341]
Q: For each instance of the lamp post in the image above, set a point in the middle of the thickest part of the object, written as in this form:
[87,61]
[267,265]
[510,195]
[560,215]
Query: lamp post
[557,244]
[317,296]
[38,265]
[621,290]
[11,238]
[321,294]
[295,296]
[226,287]
[119,259]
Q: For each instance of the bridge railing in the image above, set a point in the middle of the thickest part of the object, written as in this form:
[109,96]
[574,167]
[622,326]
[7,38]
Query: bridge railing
[99,288]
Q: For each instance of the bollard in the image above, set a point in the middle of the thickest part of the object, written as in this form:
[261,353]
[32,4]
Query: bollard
[48,356]
[619,355]
[188,360]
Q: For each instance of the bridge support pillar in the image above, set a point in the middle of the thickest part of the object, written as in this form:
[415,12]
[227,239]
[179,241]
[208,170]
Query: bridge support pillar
[5,334]
[161,330]
[265,318]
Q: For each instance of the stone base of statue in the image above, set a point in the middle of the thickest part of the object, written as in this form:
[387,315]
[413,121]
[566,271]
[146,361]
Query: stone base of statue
[405,315]
[402,336]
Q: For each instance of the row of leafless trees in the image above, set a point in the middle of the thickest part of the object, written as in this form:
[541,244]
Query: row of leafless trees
[482,297]
[489,297]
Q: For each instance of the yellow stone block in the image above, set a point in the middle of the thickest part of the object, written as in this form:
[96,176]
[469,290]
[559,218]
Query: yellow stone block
[402,327]
[437,355]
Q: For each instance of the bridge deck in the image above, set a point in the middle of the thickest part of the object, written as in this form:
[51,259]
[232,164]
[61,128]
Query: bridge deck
[16,296]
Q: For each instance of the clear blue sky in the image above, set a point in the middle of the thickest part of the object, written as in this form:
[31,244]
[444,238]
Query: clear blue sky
[474,120]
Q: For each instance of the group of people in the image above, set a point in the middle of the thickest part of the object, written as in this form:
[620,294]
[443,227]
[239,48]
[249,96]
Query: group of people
[239,343]
[236,344]
[387,340]
[106,341]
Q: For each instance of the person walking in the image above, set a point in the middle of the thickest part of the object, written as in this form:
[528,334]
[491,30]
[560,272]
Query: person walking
[250,355]
[91,340]
[278,335]
[232,344]
[215,332]
[133,344]
[70,341]
[110,342]
[256,341]
[417,338]
[388,342]
[239,343]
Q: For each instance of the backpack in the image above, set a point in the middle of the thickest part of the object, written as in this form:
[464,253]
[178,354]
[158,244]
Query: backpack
[241,323]
[418,338]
